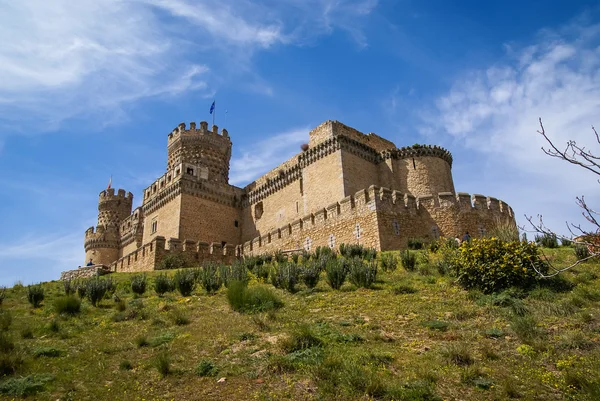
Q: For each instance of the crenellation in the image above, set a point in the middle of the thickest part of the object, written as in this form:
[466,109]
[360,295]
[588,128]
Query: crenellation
[493,204]
[479,202]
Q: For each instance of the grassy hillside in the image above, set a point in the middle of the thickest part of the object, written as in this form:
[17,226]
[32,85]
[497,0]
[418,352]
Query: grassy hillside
[413,336]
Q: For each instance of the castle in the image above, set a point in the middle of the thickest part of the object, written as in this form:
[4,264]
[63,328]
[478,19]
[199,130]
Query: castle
[344,187]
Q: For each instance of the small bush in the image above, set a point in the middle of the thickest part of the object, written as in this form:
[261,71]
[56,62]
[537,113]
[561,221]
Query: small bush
[206,368]
[138,284]
[408,260]
[179,317]
[436,325]
[389,262]
[81,289]
[526,328]
[68,304]
[415,243]
[49,352]
[300,339]
[285,275]
[565,242]
[491,265]
[311,273]
[6,343]
[69,287]
[96,288]
[336,271]
[547,240]
[262,272]
[209,277]
[26,333]
[35,295]
[141,341]
[5,320]
[235,272]
[184,282]
[252,299]
[162,362]
[125,365]
[163,284]
[172,261]
[24,386]
[458,354]
[403,289]
[581,251]
[362,274]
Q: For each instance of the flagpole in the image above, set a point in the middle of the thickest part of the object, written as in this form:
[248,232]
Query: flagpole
[225,119]
[214,113]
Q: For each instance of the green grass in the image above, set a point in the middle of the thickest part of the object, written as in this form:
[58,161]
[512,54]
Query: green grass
[410,337]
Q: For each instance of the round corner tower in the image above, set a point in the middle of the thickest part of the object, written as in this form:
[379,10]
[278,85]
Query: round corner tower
[428,169]
[207,151]
[102,245]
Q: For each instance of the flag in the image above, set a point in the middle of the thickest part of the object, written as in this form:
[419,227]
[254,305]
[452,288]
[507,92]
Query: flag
[109,182]
[212,107]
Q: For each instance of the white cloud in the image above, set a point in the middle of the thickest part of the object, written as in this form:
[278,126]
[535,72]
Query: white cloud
[64,59]
[266,155]
[495,111]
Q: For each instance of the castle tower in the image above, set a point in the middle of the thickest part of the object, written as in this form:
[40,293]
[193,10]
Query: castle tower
[201,150]
[102,244]
[428,169]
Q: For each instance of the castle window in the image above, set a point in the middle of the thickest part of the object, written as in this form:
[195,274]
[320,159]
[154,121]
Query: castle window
[154,226]
[169,178]
[301,187]
[190,171]
[258,210]
[297,208]
[307,243]
[396,227]
[177,172]
[235,223]
[331,241]
[154,188]
[357,231]
[162,184]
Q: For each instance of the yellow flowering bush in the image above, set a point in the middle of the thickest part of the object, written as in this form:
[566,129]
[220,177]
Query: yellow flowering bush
[492,265]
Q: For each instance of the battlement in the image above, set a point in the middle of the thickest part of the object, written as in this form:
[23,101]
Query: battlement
[418,151]
[193,130]
[109,194]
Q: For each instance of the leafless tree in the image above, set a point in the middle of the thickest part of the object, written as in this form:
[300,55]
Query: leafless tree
[585,158]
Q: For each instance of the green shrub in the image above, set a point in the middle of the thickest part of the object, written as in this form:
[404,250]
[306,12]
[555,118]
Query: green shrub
[251,299]
[285,275]
[5,320]
[279,257]
[491,265]
[250,262]
[80,288]
[161,339]
[206,368]
[361,273]
[162,362]
[163,284]
[26,333]
[53,326]
[526,328]
[408,260]
[49,352]
[179,317]
[415,243]
[125,365]
[300,339]
[458,354]
[350,251]
[138,284]
[24,386]
[185,282]
[547,240]
[172,261]
[436,325]
[336,271]
[96,288]
[581,251]
[403,289]
[262,272]
[6,343]
[209,277]
[311,273]
[141,341]
[234,272]
[295,257]
[69,287]
[35,295]
[565,242]
[389,262]
[68,304]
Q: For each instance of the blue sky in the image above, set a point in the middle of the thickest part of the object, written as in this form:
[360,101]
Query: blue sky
[92,88]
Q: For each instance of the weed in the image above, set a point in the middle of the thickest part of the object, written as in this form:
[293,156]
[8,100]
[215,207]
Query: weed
[35,295]
[285,275]
[252,299]
[162,339]
[141,341]
[408,260]
[458,354]
[206,368]
[163,284]
[184,282]
[336,271]
[5,320]
[581,251]
[49,352]
[162,362]
[547,240]
[209,277]
[53,326]
[6,343]
[125,365]
[542,294]
[25,386]
[68,304]
[311,273]
[415,243]
[494,333]
[120,306]
[2,294]
[575,340]
[234,272]
[489,354]
[69,287]
[403,288]
[172,261]
[179,317]
[26,333]
[389,262]
[261,322]
[96,288]
[526,328]
[138,284]
[436,325]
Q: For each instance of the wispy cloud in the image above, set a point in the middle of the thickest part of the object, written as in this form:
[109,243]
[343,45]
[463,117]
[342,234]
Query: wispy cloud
[495,111]
[266,155]
[90,57]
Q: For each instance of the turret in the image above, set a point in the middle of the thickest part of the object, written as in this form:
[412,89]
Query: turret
[102,245]
[207,150]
